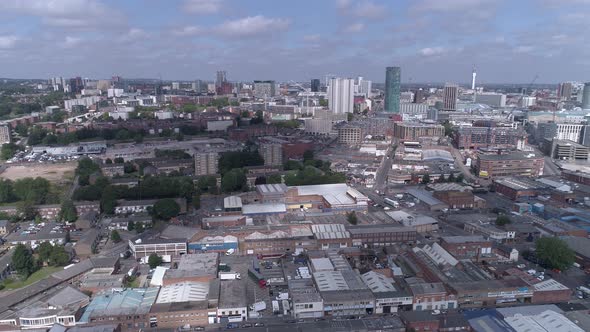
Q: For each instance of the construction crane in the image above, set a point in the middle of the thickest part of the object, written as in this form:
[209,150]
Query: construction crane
[529,87]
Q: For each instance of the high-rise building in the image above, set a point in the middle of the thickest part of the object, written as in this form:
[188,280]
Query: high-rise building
[341,95]
[76,85]
[450,94]
[272,153]
[221,78]
[586,96]
[392,89]
[564,90]
[419,96]
[4,134]
[363,87]
[206,163]
[264,89]
[315,85]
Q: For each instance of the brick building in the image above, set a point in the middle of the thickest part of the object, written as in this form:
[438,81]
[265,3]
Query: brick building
[467,247]
[414,130]
[513,164]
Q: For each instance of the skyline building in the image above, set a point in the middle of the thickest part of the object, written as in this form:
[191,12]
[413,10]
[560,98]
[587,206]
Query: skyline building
[392,89]
[450,93]
[315,85]
[564,90]
[264,89]
[221,78]
[586,96]
[341,95]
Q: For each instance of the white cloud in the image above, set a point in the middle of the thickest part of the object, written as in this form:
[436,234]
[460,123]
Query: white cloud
[450,5]
[361,9]
[523,49]
[432,51]
[252,26]
[7,42]
[312,38]
[355,27]
[190,30]
[71,41]
[64,13]
[203,6]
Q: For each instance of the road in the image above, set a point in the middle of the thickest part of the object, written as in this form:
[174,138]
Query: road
[550,167]
[383,170]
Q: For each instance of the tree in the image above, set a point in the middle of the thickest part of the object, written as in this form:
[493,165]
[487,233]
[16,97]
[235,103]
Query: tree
[108,161]
[139,228]
[115,237]
[32,189]
[352,218]
[166,208]
[154,261]
[274,178]
[460,178]
[26,210]
[349,116]
[452,178]
[448,128]
[59,256]
[426,178]
[108,201]
[8,150]
[308,155]
[44,251]
[502,220]
[260,180]
[197,201]
[130,225]
[233,180]
[68,211]
[6,191]
[22,261]
[554,253]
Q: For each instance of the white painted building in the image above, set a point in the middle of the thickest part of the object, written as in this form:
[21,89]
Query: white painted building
[341,95]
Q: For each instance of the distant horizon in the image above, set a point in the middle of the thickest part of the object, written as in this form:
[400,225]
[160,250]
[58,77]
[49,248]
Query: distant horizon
[431,40]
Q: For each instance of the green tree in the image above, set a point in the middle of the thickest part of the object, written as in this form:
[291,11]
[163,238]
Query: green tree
[26,210]
[448,128]
[130,225]
[154,261]
[234,180]
[308,155]
[274,178]
[292,165]
[352,218]
[8,150]
[460,178]
[32,189]
[197,201]
[59,256]
[115,237]
[6,192]
[108,201]
[502,220]
[22,261]
[426,178]
[44,251]
[166,208]
[349,116]
[68,211]
[554,253]
[139,228]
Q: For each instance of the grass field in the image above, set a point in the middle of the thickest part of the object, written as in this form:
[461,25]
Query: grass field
[38,275]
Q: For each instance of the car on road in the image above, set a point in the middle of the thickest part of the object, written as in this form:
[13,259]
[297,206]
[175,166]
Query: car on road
[259,324]
[247,325]
[230,326]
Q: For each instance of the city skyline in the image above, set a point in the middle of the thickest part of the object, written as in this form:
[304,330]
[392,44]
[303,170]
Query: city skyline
[188,39]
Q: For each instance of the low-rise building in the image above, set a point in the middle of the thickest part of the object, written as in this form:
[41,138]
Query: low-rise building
[36,234]
[86,246]
[193,268]
[490,231]
[331,236]
[492,293]
[432,296]
[307,302]
[167,248]
[370,236]
[388,297]
[233,303]
[515,188]
[129,307]
[473,247]
[421,223]
[512,164]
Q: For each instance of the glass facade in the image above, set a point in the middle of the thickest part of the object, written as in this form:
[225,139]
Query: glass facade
[392,89]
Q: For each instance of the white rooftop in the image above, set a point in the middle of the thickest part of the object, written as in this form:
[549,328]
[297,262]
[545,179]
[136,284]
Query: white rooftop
[184,292]
[330,281]
[232,202]
[378,283]
[330,231]
[264,208]
[158,276]
[322,264]
[547,321]
[335,194]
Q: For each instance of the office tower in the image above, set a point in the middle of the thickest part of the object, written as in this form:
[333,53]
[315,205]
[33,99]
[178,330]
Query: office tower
[206,163]
[175,85]
[341,95]
[586,96]
[564,90]
[315,85]
[392,89]
[272,153]
[221,78]
[264,89]
[450,97]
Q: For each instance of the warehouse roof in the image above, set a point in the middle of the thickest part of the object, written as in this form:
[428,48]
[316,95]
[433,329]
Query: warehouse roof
[330,231]
[130,301]
[184,292]
[264,208]
[232,202]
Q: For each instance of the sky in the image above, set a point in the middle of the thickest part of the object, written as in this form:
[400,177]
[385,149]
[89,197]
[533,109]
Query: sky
[508,41]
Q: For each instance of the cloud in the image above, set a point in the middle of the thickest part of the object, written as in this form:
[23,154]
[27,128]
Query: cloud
[202,6]
[355,27]
[450,5]
[523,49]
[252,26]
[362,9]
[432,51]
[312,38]
[7,42]
[189,30]
[64,13]
[71,41]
